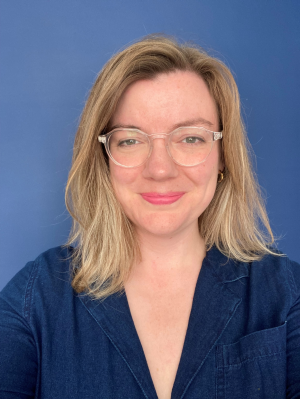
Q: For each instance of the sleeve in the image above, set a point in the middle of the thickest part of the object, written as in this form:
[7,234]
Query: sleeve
[18,350]
[293,334]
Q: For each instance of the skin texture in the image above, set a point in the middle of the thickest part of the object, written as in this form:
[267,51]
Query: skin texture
[161,287]
[158,106]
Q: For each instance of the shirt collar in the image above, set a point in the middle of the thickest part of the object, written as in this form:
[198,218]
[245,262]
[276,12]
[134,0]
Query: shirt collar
[214,305]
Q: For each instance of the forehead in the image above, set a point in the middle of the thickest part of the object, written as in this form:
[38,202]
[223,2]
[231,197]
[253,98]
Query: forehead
[166,101]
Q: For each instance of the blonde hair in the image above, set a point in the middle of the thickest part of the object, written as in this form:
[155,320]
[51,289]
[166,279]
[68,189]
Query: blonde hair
[105,243]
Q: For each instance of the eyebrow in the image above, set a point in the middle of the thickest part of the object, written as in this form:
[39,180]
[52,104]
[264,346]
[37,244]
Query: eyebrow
[189,122]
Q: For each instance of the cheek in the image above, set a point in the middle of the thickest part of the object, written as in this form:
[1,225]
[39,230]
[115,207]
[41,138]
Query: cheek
[122,179]
[206,173]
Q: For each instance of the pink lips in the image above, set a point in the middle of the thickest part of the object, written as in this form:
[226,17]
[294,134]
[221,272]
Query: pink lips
[162,199]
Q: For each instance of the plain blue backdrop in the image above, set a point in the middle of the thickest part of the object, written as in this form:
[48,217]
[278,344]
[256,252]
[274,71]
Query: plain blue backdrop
[51,52]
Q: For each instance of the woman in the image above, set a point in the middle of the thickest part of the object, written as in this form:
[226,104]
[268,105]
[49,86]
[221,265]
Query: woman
[175,290]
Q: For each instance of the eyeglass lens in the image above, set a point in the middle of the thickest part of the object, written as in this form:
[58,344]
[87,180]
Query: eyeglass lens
[187,146]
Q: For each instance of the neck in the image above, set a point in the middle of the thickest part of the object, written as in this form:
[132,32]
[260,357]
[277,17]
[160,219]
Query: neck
[178,254]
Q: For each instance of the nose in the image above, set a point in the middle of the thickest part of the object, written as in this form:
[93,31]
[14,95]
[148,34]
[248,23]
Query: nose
[160,166]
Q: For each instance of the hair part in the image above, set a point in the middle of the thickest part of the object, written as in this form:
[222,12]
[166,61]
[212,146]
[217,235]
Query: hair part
[105,242]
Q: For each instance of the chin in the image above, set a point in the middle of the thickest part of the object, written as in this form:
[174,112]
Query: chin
[161,225]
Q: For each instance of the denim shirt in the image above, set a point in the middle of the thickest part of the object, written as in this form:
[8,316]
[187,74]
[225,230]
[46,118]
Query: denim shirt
[242,341]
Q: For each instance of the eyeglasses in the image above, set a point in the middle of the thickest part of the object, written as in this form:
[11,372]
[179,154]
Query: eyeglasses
[187,146]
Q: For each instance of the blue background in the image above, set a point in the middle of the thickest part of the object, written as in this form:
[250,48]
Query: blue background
[51,52]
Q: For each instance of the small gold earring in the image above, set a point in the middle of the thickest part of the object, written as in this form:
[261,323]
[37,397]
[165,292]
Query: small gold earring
[220,176]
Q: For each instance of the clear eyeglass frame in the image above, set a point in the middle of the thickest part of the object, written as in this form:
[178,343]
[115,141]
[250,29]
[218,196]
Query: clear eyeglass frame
[104,139]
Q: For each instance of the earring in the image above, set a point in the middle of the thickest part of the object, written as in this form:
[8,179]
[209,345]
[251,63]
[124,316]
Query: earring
[220,176]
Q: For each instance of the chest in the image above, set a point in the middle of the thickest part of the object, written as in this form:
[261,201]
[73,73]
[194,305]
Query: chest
[96,358]
[161,322]
[233,346]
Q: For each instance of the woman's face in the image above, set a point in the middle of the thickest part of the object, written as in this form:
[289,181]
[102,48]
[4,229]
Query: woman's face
[155,106]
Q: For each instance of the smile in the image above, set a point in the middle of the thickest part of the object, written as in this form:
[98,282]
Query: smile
[162,199]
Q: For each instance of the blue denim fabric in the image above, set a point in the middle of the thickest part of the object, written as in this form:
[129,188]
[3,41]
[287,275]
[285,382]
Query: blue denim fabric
[243,337]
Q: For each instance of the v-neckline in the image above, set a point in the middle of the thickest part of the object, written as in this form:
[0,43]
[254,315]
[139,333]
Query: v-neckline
[212,308]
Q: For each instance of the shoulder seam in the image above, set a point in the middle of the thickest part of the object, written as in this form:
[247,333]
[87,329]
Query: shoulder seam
[28,292]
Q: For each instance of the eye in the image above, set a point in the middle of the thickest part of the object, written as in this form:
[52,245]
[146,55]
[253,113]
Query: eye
[194,140]
[128,142]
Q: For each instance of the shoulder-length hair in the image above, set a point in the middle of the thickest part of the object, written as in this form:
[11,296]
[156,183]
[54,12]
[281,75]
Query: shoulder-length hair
[105,242]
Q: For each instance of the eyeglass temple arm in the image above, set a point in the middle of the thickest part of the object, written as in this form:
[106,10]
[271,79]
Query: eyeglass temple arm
[217,135]
[102,139]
